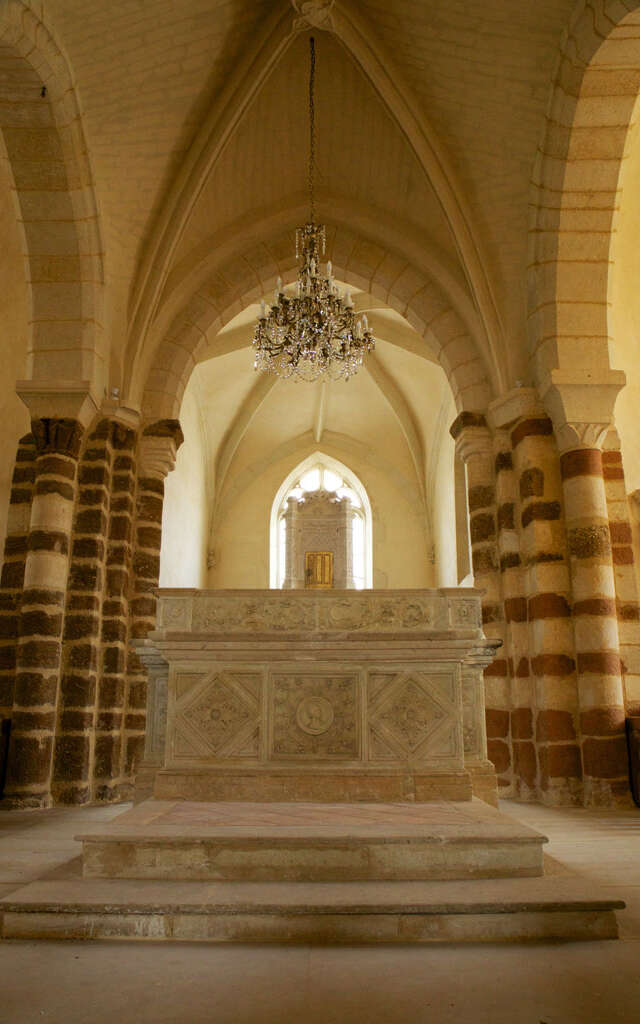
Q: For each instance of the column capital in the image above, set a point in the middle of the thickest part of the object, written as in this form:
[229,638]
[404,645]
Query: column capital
[158,448]
[59,400]
[471,435]
[580,404]
[57,436]
[127,416]
[516,404]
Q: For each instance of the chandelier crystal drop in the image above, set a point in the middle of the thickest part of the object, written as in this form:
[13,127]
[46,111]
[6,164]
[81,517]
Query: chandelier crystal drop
[314,332]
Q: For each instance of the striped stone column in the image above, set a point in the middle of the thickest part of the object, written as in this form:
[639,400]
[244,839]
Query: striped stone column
[474,446]
[38,661]
[12,580]
[112,779]
[624,569]
[75,739]
[602,727]
[544,723]
[499,719]
[156,458]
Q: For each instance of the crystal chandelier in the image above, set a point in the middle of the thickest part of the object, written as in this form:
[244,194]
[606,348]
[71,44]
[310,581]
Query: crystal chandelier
[314,332]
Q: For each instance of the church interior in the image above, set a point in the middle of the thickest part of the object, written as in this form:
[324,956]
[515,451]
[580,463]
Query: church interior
[319,667]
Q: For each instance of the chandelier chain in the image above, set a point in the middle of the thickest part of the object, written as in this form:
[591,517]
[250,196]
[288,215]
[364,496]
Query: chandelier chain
[312,128]
[314,332]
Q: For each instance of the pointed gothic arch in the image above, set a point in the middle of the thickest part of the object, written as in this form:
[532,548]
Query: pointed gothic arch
[44,144]
[575,191]
[318,459]
[379,70]
[248,273]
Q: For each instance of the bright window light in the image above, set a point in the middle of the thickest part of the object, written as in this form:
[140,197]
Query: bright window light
[323,473]
[348,492]
[282,548]
[331,481]
[358,551]
[311,480]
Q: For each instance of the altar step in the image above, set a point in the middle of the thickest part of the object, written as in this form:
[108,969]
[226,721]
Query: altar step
[311,842]
[497,910]
[309,873]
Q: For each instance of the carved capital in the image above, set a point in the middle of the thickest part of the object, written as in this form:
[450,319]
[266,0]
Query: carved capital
[158,448]
[580,404]
[316,14]
[156,456]
[472,436]
[57,436]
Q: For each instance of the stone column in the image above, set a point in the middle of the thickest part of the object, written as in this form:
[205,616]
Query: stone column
[515,609]
[604,753]
[548,717]
[110,779]
[38,661]
[474,446]
[15,554]
[581,405]
[76,736]
[156,458]
[628,610]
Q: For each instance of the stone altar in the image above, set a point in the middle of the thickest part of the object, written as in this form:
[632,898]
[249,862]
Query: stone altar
[318,695]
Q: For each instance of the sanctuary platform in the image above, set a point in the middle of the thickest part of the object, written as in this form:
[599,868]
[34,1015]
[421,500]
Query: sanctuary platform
[313,758]
[310,873]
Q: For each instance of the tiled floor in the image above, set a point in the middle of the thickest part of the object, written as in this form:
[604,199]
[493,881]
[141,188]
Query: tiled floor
[572,983]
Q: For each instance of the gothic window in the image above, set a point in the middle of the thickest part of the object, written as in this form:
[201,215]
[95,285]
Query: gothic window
[321,507]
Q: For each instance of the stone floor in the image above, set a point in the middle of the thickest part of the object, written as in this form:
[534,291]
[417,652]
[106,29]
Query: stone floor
[570,983]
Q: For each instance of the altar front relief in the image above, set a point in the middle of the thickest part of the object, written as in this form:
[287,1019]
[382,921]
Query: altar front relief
[321,695]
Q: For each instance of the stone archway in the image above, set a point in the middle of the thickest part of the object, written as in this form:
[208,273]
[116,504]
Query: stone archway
[47,154]
[244,277]
[575,197]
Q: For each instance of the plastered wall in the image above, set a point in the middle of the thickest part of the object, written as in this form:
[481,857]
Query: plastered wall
[401,547]
[14,319]
[444,516]
[185,518]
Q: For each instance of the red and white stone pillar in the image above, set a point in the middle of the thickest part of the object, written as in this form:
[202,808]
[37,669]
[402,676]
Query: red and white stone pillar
[581,406]
[39,649]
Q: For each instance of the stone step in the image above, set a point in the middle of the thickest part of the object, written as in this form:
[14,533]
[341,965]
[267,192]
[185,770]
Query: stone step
[312,842]
[509,910]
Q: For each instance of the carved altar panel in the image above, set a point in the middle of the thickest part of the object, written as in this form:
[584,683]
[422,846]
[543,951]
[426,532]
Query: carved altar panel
[216,714]
[315,715]
[415,715]
[239,614]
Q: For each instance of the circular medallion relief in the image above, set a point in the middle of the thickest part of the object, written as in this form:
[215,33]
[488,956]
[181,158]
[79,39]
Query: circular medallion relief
[314,715]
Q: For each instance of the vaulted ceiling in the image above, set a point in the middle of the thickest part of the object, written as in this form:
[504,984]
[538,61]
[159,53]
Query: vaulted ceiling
[473,79]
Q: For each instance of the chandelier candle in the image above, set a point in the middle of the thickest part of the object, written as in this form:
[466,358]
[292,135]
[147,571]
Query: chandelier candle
[314,333]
